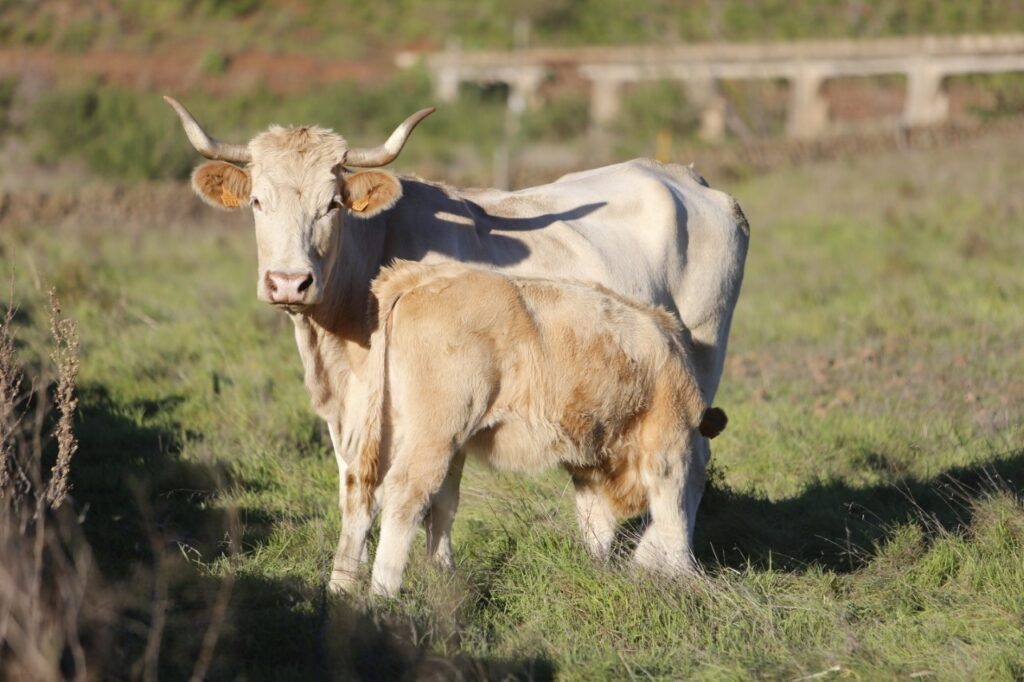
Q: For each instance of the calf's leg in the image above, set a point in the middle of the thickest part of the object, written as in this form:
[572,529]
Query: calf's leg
[597,521]
[416,474]
[351,551]
[442,514]
[665,545]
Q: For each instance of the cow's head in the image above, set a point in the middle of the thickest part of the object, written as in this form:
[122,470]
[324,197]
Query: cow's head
[298,182]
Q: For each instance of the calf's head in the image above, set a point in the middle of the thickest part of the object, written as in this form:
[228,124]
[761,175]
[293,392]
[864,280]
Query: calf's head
[299,184]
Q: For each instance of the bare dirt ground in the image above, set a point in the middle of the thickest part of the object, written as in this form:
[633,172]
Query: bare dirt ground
[182,68]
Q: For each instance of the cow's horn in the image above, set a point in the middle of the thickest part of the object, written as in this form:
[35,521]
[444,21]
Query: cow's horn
[204,144]
[387,152]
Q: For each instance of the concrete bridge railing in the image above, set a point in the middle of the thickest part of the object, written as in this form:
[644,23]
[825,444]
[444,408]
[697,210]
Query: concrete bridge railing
[807,65]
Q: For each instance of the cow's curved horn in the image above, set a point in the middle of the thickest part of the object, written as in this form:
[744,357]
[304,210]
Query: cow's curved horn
[204,144]
[387,152]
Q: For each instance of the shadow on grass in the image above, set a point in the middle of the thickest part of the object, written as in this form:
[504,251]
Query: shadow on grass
[836,526]
[151,516]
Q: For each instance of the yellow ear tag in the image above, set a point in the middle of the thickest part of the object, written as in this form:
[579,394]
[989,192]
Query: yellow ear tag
[360,205]
[229,199]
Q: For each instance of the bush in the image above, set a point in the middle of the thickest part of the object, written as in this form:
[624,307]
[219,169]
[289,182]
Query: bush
[119,134]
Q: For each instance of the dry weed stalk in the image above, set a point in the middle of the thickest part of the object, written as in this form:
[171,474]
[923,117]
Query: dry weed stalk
[45,563]
[65,358]
[10,388]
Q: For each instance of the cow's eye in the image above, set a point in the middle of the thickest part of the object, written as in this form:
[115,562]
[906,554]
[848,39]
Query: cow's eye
[333,206]
[256,203]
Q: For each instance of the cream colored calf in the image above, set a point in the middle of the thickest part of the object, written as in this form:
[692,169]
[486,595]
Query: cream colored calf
[527,374]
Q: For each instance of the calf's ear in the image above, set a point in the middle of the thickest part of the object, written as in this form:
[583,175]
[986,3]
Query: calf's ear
[368,193]
[222,185]
[713,422]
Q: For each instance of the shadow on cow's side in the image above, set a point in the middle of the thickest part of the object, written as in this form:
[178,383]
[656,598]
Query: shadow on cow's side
[836,526]
[457,225]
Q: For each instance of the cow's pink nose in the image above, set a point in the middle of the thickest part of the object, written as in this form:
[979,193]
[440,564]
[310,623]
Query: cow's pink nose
[288,287]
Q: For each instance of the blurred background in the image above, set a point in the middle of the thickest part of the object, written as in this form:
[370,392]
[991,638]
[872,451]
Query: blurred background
[526,90]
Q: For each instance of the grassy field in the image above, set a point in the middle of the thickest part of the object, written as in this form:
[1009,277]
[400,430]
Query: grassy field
[865,517]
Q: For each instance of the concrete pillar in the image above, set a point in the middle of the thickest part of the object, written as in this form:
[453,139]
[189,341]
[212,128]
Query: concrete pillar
[705,95]
[808,108]
[523,86]
[927,102]
[447,74]
[604,99]
[446,82]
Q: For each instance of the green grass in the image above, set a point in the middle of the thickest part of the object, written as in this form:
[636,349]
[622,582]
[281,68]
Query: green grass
[865,514]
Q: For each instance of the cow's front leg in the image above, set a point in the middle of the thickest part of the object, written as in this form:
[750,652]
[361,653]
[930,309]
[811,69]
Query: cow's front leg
[351,552]
[342,483]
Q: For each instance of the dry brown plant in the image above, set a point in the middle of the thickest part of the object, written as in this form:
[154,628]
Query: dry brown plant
[46,568]
[65,359]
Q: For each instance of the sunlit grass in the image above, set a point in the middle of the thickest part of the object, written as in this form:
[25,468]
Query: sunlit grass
[865,514]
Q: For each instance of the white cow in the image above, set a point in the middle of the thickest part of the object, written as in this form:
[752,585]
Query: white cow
[652,231]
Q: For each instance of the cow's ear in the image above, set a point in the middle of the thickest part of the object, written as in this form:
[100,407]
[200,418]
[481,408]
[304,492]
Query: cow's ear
[222,185]
[368,193]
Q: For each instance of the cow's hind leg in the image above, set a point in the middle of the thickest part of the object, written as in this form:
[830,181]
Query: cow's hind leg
[416,474]
[694,482]
[665,545]
[442,514]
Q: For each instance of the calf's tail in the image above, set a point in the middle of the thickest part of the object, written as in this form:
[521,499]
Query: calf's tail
[368,469]
[713,422]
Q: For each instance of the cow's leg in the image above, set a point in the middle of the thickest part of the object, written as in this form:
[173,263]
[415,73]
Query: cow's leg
[665,545]
[415,476]
[342,464]
[597,521]
[442,514]
[342,471]
[695,480]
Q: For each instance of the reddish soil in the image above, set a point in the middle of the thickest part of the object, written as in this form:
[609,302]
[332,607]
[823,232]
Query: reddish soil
[181,69]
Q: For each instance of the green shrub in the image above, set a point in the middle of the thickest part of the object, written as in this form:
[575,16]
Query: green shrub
[119,134]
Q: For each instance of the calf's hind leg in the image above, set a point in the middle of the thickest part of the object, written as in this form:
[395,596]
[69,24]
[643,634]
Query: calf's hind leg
[665,545]
[442,514]
[415,476]
[597,520]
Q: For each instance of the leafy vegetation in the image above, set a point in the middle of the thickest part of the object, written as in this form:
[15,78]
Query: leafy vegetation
[865,516]
[357,29]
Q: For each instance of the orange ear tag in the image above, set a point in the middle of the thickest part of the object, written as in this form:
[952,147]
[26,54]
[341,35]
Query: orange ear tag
[229,199]
[360,205]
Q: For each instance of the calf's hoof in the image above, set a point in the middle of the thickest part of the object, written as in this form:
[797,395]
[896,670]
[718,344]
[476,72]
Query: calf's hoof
[651,557]
[341,583]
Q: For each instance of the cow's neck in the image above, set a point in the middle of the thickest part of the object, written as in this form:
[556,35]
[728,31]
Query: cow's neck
[333,338]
